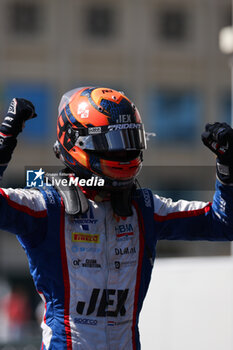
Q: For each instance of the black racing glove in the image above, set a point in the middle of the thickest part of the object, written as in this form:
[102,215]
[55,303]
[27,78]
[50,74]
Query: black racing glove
[19,111]
[218,137]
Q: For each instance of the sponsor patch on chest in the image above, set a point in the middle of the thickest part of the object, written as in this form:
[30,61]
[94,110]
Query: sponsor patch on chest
[102,303]
[125,251]
[78,237]
[124,232]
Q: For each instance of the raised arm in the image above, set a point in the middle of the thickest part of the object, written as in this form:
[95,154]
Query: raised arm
[19,111]
[23,212]
[198,220]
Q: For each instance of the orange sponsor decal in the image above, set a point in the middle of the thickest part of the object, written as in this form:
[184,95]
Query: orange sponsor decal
[85,238]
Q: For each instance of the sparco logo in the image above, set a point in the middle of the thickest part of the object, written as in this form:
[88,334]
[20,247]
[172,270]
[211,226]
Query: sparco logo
[85,321]
[125,251]
[100,301]
[147,198]
[94,130]
[12,107]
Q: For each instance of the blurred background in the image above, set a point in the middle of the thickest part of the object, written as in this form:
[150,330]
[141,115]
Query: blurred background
[165,56]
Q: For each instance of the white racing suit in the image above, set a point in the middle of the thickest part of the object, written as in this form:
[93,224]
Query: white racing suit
[93,271]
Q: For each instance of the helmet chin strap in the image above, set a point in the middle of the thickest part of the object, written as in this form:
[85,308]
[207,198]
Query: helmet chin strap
[121,201]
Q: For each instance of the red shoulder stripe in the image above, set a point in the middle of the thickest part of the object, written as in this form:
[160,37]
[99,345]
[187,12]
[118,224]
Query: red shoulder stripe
[23,208]
[183,214]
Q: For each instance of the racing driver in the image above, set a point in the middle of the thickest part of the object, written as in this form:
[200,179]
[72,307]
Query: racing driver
[91,249]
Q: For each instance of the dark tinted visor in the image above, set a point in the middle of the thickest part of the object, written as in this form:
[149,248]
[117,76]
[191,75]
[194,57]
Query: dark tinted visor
[113,137]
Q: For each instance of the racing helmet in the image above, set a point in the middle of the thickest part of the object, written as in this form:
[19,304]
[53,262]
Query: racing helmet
[100,133]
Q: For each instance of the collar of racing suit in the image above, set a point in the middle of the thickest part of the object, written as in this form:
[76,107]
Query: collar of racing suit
[121,200]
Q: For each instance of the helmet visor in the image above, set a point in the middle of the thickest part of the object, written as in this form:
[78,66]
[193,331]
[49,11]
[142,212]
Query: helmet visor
[113,137]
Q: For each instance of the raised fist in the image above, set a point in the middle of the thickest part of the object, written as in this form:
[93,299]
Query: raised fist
[218,137]
[19,111]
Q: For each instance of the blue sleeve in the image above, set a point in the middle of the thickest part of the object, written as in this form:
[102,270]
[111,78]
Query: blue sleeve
[195,220]
[24,213]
